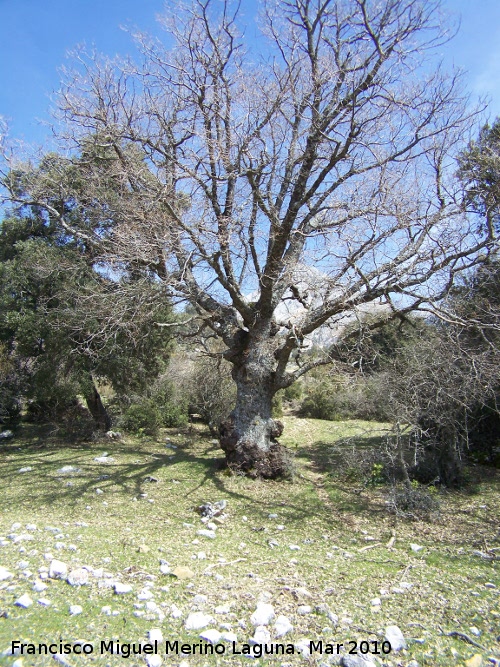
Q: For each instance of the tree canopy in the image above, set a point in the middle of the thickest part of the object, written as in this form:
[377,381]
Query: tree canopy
[278,192]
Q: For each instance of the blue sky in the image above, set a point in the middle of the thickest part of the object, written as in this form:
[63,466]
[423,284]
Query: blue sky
[35,36]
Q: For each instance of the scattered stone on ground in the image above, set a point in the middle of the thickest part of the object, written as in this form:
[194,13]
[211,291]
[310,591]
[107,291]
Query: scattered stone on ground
[211,636]
[68,469]
[182,572]
[78,577]
[175,611]
[207,533]
[304,609]
[75,609]
[263,614]
[58,569]
[475,661]
[155,635]
[197,621]
[121,589]
[24,601]
[261,635]
[357,661]
[395,637]
[282,626]
[303,646]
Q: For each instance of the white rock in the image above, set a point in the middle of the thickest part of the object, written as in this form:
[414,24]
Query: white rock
[44,602]
[106,610]
[264,596]
[5,574]
[104,459]
[212,636]
[376,602]
[155,635]
[303,646]
[121,589]
[78,577]
[58,569]
[153,660]
[31,526]
[175,612]
[475,631]
[261,635]
[406,585]
[197,621]
[263,614]
[229,637]
[201,555]
[357,661]
[294,547]
[223,609]
[207,533]
[415,547]
[304,609]
[26,469]
[39,586]
[282,626]
[67,469]
[75,609]
[145,595]
[165,569]
[24,601]
[395,637]
[200,599]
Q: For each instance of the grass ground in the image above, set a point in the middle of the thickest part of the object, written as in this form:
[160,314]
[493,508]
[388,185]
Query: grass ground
[342,532]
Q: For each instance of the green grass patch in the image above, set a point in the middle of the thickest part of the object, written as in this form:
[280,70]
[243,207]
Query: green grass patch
[112,516]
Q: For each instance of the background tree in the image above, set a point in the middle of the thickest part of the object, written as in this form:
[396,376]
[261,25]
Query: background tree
[480,174]
[61,326]
[277,194]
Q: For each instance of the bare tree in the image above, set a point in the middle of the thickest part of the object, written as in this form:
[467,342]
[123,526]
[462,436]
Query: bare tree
[278,193]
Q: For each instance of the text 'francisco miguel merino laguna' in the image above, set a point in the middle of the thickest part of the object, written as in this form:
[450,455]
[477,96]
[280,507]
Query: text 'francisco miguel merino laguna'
[127,649]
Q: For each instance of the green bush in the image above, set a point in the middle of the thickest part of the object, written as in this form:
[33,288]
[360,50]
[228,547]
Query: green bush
[334,401]
[174,414]
[293,392]
[143,417]
[414,502]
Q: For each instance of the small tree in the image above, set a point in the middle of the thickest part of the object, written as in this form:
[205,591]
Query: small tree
[277,193]
[60,322]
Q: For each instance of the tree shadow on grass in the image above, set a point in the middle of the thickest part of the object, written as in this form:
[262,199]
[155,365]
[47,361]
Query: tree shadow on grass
[196,464]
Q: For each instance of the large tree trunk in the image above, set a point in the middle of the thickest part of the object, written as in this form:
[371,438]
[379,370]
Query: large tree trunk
[249,435]
[96,408]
